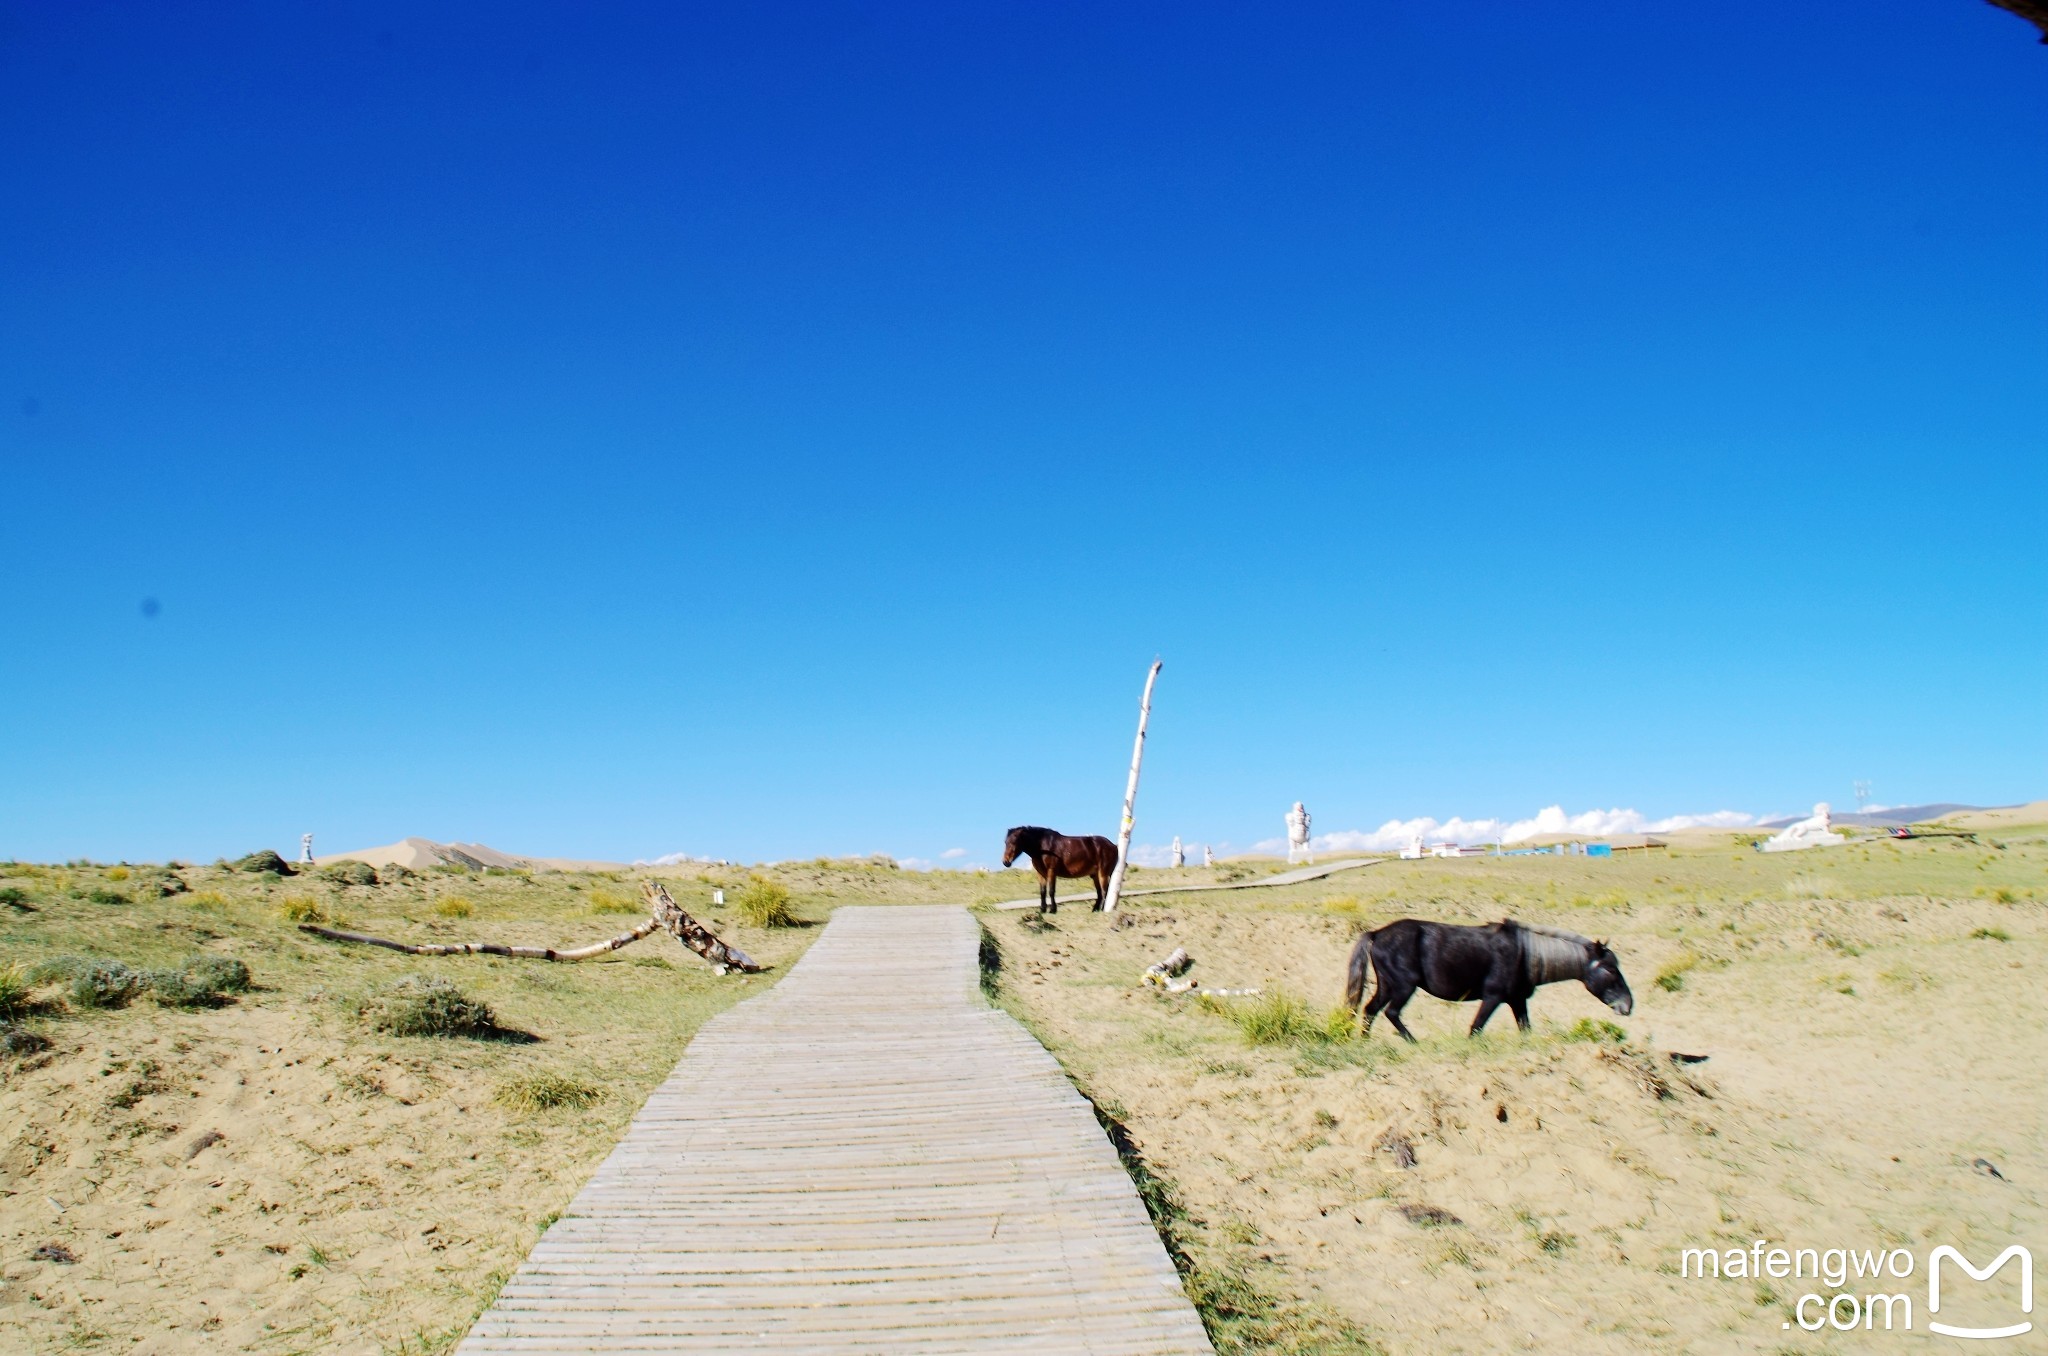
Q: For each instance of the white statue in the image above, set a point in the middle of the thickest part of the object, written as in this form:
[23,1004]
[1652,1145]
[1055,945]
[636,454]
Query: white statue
[305,849]
[1816,831]
[1413,852]
[1180,858]
[1208,855]
[1297,834]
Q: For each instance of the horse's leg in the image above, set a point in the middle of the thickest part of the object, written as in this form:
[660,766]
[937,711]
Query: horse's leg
[1520,1007]
[1101,887]
[1052,889]
[1393,1004]
[1486,1007]
[1373,1006]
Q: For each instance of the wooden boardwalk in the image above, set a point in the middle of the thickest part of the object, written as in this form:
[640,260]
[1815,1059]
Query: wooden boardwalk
[866,1158]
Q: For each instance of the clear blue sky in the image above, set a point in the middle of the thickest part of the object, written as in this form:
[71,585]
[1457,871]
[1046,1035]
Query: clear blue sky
[774,430]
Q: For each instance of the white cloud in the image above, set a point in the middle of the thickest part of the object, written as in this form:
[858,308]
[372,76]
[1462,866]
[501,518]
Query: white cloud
[1552,821]
[950,860]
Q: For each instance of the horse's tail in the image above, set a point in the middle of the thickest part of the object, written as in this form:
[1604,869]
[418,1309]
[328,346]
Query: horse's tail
[1360,971]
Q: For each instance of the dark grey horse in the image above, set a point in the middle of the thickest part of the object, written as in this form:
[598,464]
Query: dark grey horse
[1498,963]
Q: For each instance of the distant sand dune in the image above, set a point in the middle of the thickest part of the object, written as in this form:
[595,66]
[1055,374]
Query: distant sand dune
[419,854]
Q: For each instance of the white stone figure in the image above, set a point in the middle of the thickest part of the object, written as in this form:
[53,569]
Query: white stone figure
[305,849]
[1208,855]
[1297,834]
[1180,857]
[1413,852]
[1818,830]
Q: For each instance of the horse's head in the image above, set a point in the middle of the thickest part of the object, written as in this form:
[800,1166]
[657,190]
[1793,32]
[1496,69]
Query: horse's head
[1014,843]
[1603,977]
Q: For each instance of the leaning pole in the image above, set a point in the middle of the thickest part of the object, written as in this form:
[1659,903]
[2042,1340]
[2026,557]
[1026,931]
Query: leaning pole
[1123,834]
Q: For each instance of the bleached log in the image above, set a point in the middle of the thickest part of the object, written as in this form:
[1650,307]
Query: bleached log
[1123,833]
[1161,973]
[694,934]
[488,948]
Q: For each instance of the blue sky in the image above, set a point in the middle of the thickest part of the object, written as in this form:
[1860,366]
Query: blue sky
[609,431]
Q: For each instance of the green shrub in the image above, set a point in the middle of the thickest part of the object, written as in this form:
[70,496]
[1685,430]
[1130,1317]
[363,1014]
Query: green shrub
[1991,935]
[224,974]
[181,989]
[166,884]
[14,897]
[763,903]
[1594,1033]
[19,1040]
[264,862]
[428,1007]
[349,873]
[102,895]
[106,984]
[545,1092]
[455,906]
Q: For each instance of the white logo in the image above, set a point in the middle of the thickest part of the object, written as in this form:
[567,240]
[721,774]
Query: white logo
[1934,1289]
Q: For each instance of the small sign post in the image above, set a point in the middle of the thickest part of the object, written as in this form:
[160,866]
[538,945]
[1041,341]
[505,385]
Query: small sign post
[1123,837]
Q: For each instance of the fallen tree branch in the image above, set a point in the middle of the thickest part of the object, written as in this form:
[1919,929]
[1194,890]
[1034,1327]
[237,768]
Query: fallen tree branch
[693,934]
[487,948]
[666,913]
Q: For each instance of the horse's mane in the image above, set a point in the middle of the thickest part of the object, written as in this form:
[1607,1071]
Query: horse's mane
[1550,954]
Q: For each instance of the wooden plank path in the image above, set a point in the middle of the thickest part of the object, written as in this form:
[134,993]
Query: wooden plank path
[866,1158]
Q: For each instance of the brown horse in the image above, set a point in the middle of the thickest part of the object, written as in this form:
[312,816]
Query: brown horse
[1054,855]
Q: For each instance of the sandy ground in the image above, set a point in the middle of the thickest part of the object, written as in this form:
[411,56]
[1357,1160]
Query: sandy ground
[272,1176]
[1868,1058]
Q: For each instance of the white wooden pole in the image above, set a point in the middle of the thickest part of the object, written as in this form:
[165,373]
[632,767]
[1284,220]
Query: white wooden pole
[1123,837]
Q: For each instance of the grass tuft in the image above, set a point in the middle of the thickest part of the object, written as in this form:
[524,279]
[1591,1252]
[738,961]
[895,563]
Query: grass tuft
[454,906]
[763,903]
[1280,1018]
[604,901]
[1672,977]
[1991,935]
[14,989]
[1592,1032]
[546,1092]
[302,909]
